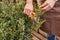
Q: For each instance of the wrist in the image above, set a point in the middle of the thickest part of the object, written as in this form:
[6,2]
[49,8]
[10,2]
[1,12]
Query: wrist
[55,0]
[29,1]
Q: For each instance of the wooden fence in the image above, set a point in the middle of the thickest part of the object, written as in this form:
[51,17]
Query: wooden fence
[41,35]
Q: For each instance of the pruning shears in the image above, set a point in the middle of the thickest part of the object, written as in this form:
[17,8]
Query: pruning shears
[34,17]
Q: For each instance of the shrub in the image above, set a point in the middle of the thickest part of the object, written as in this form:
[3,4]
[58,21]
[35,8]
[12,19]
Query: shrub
[14,24]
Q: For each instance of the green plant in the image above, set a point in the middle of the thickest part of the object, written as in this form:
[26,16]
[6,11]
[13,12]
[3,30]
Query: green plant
[14,24]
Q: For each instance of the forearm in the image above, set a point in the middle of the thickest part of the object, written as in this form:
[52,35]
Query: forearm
[29,1]
[55,0]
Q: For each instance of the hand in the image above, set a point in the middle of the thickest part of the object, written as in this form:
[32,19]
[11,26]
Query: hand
[28,9]
[47,5]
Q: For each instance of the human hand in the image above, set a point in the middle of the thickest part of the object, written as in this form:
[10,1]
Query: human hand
[47,5]
[28,9]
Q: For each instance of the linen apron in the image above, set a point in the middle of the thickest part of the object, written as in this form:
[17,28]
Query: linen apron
[52,24]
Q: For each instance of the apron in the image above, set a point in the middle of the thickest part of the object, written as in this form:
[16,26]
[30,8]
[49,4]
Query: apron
[52,24]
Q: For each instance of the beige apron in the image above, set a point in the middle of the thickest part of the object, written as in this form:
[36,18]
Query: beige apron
[52,24]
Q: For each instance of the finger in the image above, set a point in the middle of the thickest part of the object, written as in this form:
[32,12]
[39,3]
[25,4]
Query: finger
[29,11]
[30,15]
[26,11]
[43,5]
[47,8]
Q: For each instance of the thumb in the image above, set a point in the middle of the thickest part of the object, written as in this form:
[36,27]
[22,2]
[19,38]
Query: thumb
[30,16]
